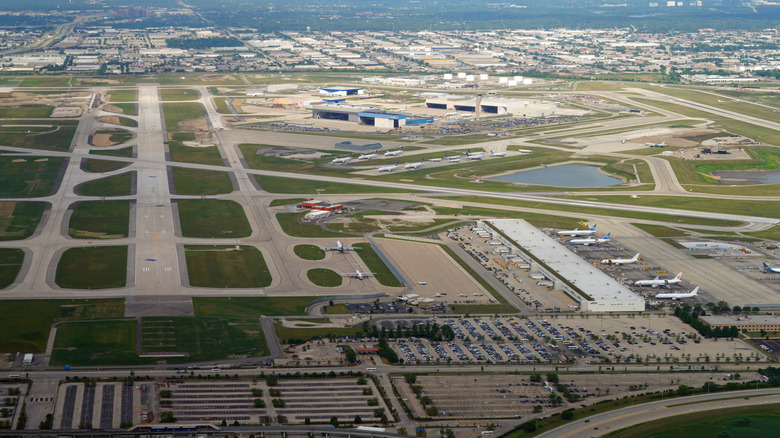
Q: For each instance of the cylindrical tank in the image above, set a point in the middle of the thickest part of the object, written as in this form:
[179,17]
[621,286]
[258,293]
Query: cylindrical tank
[447,76]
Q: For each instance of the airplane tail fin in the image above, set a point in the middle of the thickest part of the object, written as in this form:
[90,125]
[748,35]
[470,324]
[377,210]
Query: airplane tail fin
[636,257]
[607,236]
[338,244]
[695,291]
[679,276]
[656,278]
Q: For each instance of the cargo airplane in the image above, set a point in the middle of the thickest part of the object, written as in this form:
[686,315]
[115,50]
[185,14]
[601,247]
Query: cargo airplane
[659,282]
[394,153]
[389,168]
[678,295]
[474,155]
[497,154]
[620,261]
[370,156]
[656,145]
[357,274]
[769,268]
[340,248]
[415,165]
[342,160]
[590,240]
[578,232]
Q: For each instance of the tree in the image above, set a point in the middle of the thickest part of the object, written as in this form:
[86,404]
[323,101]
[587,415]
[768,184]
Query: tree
[357,420]
[530,426]
[334,421]
[568,414]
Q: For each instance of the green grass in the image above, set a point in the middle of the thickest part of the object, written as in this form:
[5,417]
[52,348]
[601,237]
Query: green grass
[188,154]
[10,263]
[57,138]
[179,112]
[223,266]
[250,308]
[291,335]
[477,309]
[28,178]
[374,263]
[45,81]
[660,230]
[122,96]
[26,112]
[126,152]
[291,226]
[100,166]
[771,233]
[25,323]
[20,221]
[324,277]
[286,201]
[100,220]
[130,109]
[309,252]
[203,338]
[95,343]
[295,186]
[212,218]
[537,219]
[107,267]
[411,227]
[730,206]
[200,182]
[117,185]
[178,94]
[222,106]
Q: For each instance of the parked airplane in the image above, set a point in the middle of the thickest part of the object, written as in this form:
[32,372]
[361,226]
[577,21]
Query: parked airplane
[394,153]
[357,274]
[659,282]
[590,240]
[656,145]
[434,160]
[525,151]
[342,160]
[389,168]
[678,295]
[475,155]
[578,232]
[370,156]
[454,158]
[341,248]
[497,154]
[620,261]
[769,268]
[414,165]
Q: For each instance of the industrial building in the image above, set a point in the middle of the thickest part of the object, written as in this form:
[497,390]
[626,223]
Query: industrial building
[320,205]
[594,290]
[341,91]
[499,106]
[362,114]
[751,323]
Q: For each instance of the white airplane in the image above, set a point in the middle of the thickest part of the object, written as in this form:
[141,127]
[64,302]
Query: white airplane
[342,160]
[590,240]
[414,165]
[394,153]
[659,282]
[454,158]
[525,151]
[497,154]
[678,295]
[578,232]
[620,261]
[341,248]
[656,145]
[367,156]
[434,160]
[357,274]
[769,268]
[389,168]
[475,155]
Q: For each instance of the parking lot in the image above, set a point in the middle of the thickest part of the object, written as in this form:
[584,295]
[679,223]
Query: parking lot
[104,405]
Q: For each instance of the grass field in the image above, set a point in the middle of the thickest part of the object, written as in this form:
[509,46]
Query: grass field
[107,267]
[411,227]
[10,263]
[250,308]
[223,266]
[188,154]
[179,112]
[660,230]
[221,105]
[539,220]
[117,185]
[200,182]
[212,218]
[290,224]
[57,138]
[28,177]
[286,201]
[374,263]
[324,277]
[126,152]
[116,135]
[309,252]
[771,233]
[18,220]
[295,186]
[127,108]
[122,96]
[290,335]
[26,112]
[100,220]
[731,206]
[100,166]
[178,94]
[96,343]
[25,323]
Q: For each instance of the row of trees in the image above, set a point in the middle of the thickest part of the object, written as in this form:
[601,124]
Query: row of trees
[434,332]
[690,316]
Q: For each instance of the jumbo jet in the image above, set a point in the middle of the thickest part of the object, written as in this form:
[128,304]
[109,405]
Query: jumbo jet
[357,274]
[678,295]
[389,168]
[497,154]
[660,282]
[340,248]
[578,232]
[454,158]
[620,261]
[342,160]
[590,240]
[370,156]
[525,151]
[656,145]
[394,153]
[434,160]
[414,165]
[474,155]
[769,268]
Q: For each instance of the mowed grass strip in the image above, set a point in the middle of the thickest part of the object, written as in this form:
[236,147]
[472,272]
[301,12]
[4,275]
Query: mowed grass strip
[206,338]
[28,177]
[295,186]
[18,220]
[212,218]
[200,182]
[224,266]
[126,152]
[375,264]
[309,252]
[287,201]
[100,220]
[57,138]
[10,263]
[101,166]
[26,111]
[290,223]
[117,185]
[295,335]
[25,324]
[179,112]
[130,109]
[106,265]
[324,277]
[122,96]
[96,343]
[189,154]
[179,94]
[222,106]
[250,308]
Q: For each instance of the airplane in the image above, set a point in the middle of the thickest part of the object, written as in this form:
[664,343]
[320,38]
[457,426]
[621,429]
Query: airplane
[620,261]
[367,156]
[474,155]
[389,168]
[357,274]
[454,158]
[590,240]
[525,151]
[656,145]
[497,154]
[342,160]
[578,232]
[769,268]
[394,153]
[659,282]
[414,165]
[434,160]
[678,295]
[341,248]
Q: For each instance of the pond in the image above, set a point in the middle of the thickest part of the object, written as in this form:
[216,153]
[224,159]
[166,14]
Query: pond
[748,176]
[565,175]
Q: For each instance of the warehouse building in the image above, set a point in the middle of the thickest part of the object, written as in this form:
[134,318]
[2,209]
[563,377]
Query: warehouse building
[361,114]
[751,323]
[341,91]
[499,106]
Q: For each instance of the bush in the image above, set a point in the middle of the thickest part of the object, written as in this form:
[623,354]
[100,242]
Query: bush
[568,414]
[259,403]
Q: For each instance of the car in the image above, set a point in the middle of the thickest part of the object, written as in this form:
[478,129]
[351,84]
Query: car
[587,421]
[216,370]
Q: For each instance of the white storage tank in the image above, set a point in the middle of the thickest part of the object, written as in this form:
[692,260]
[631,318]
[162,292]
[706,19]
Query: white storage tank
[518,79]
[447,76]
[461,75]
[511,83]
[527,81]
[503,80]
[483,77]
[469,78]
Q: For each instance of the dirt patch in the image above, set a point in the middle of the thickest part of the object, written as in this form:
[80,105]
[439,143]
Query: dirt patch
[212,78]
[102,140]
[7,209]
[66,111]
[682,139]
[113,109]
[114,120]
[288,152]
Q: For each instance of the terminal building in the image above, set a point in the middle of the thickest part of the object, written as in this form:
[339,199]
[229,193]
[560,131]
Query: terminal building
[594,290]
